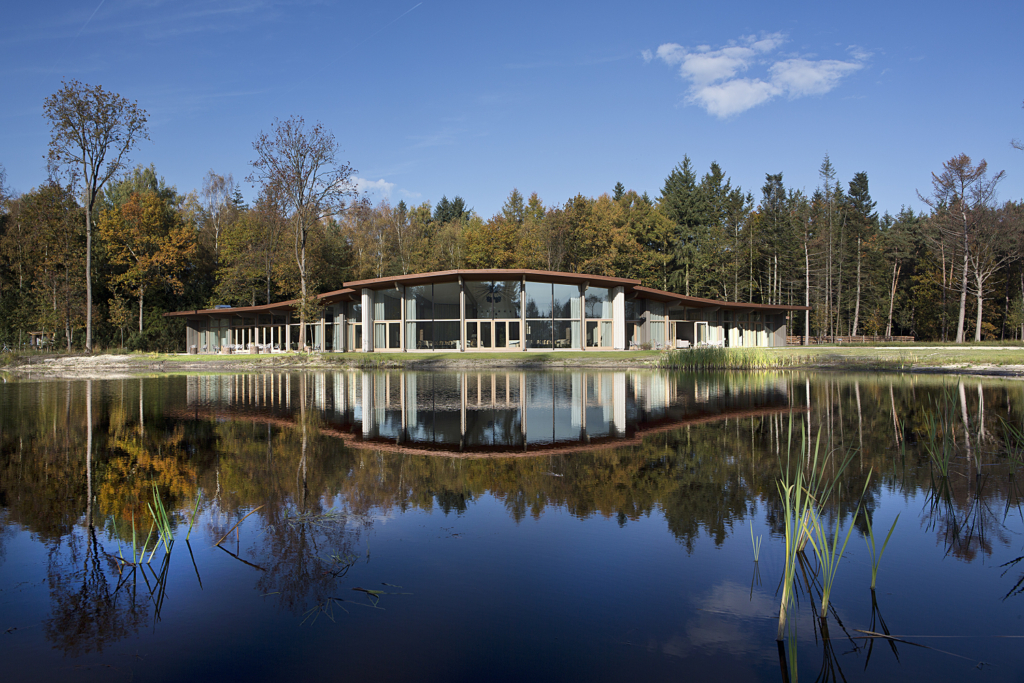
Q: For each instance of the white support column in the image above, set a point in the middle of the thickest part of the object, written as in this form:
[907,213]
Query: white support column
[619,318]
[288,332]
[401,317]
[367,320]
[323,329]
[462,320]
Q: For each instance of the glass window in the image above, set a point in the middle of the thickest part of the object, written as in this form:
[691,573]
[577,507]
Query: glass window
[446,335]
[538,300]
[505,298]
[656,310]
[599,302]
[478,293]
[538,332]
[419,335]
[354,308]
[472,335]
[446,301]
[567,334]
[418,303]
[566,301]
[634,309]
[387,305]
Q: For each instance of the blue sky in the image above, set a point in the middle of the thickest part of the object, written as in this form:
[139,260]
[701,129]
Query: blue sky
[472,99]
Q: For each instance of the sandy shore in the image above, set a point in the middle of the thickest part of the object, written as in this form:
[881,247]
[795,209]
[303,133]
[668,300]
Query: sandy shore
[109,366]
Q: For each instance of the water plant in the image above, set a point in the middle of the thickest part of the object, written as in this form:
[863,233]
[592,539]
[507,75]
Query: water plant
[802,495]
[714,358]
[876,557]
[828,551]
[162,522]
[939,441]
[755,542]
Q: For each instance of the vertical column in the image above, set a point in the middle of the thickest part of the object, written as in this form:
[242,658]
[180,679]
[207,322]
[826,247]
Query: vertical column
[367,320]
[462,320]
[401,318]
[619,402]
[522,313]
[323,329]
[583,316]
[619,318]
[288,331]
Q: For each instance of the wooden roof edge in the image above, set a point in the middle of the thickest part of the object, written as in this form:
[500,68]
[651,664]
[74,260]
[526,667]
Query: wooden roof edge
[698,302]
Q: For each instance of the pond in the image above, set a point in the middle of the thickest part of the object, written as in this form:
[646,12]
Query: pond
[505,525]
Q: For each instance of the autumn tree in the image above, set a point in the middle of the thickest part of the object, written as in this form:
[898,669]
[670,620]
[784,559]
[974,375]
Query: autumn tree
[960,196]
[251,253]
[301,165]
[148,238]
[92,131]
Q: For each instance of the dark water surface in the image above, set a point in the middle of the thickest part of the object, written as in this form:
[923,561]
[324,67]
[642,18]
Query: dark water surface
[511,526]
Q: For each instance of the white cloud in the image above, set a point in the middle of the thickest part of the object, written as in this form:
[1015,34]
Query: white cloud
[799,77]
[381,187]
[718,81]
[733,97]
[647,55]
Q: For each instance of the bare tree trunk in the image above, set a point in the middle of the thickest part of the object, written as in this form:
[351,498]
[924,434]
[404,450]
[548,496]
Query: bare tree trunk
[88,270]
[963,291]
[977,322]
[141,295]
[896,268]
[856,309]
[807,295]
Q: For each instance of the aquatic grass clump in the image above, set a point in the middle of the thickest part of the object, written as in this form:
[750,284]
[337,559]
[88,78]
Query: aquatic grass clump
[1013,442]
[876,557]
[714,358]
[828,551]
[939,441]
[802,496]
[755,542]
[165,533]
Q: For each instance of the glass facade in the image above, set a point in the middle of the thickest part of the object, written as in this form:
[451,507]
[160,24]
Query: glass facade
[507,314]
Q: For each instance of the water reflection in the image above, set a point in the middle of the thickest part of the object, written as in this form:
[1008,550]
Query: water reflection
[336,462]
[491,412]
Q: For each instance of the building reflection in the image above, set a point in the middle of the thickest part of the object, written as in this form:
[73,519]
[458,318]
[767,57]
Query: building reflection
[494,412]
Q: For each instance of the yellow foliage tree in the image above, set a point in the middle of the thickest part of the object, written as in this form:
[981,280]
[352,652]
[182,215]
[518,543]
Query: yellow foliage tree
[150,239]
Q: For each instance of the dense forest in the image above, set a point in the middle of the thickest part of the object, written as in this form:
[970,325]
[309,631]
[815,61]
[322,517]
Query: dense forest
[951,273]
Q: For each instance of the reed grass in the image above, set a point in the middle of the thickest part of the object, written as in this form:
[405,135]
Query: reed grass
[1013,442]
[195,515]
[876,557]
[827,549]
[755,542]
[725,359]
[802,496]
[939,440]
[165,533]
[794,502]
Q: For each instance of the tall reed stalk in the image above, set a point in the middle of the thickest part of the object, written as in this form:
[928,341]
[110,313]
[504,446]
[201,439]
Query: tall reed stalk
[802,495]
[828,551]
[939,440]
[876,557]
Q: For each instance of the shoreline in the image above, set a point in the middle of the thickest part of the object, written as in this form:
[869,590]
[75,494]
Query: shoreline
[955,361]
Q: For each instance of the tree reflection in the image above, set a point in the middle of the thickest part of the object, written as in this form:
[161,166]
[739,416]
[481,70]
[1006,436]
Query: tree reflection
[90,608]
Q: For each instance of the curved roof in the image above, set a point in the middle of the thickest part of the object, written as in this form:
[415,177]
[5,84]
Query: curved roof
[633,288]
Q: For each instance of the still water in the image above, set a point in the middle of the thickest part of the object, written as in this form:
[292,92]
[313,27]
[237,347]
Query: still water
[583,525]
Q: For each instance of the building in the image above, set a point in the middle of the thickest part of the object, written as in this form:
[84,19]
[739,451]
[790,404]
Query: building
[490,310]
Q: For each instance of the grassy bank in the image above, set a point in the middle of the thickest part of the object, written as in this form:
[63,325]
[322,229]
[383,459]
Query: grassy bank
[982,359]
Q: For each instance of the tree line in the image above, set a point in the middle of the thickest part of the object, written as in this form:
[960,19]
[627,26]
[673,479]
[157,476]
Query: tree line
[949,273]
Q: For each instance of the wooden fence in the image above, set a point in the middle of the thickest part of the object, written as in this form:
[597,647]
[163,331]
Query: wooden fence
[859,339]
